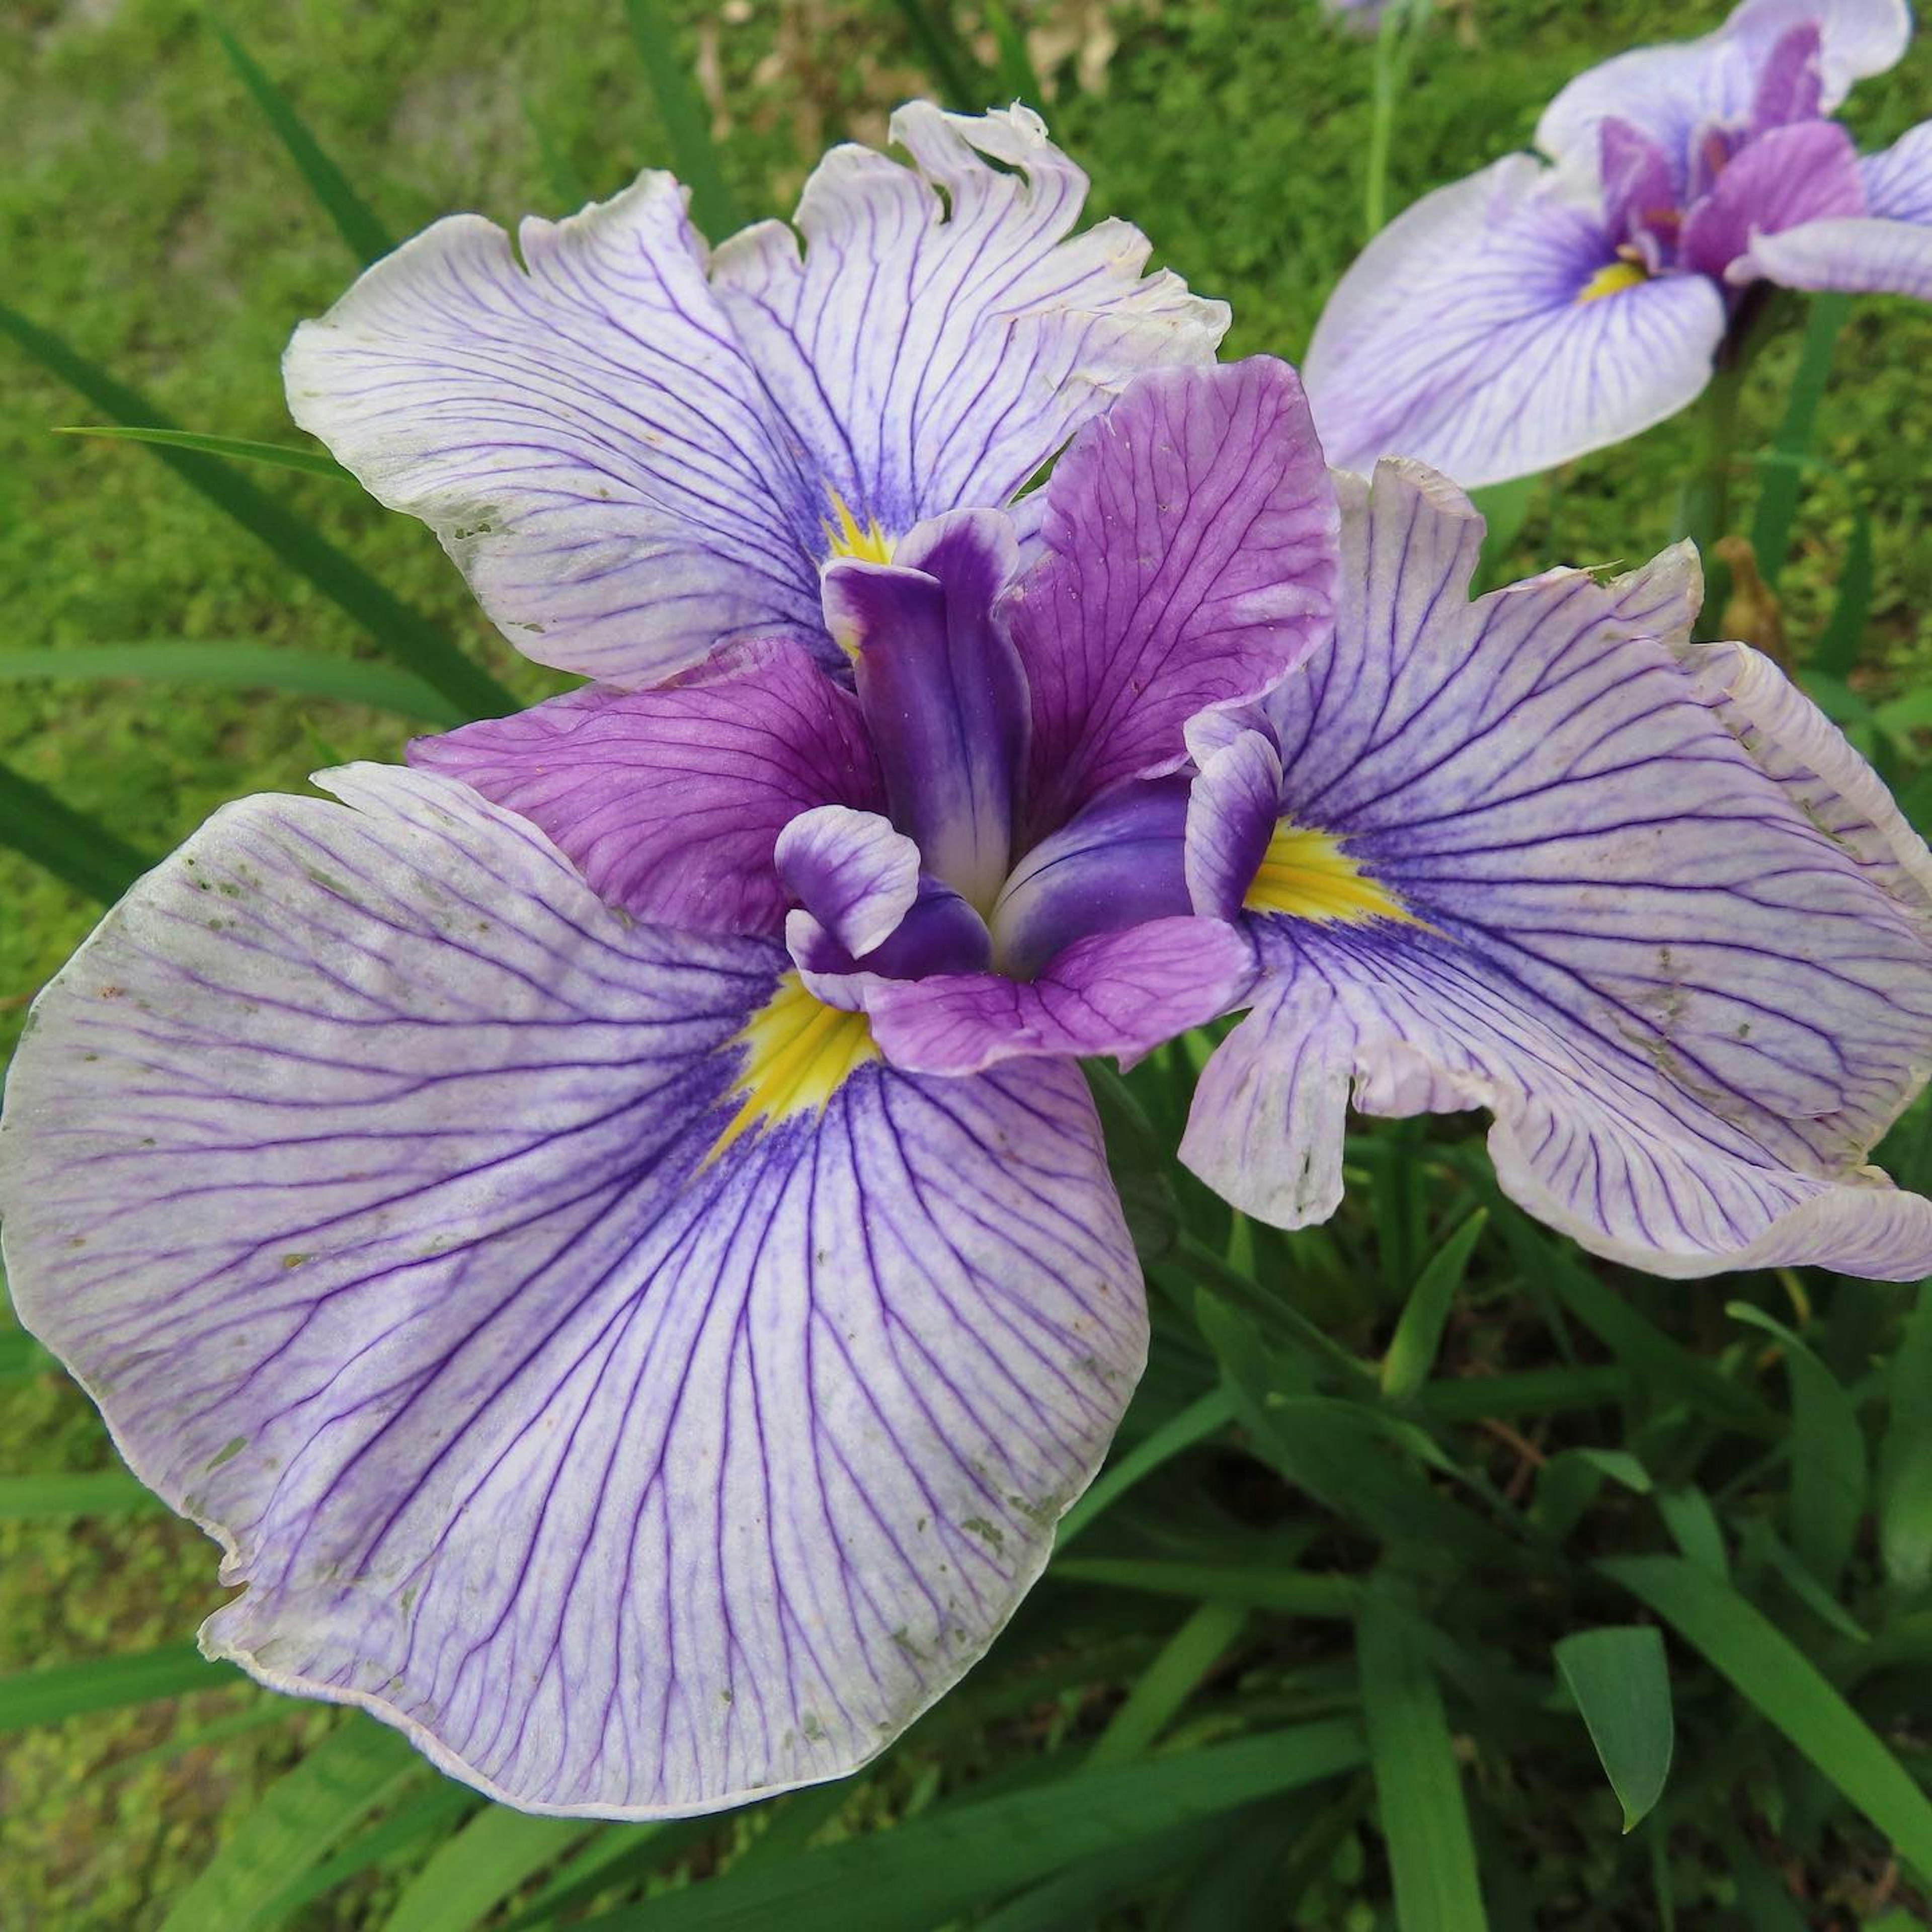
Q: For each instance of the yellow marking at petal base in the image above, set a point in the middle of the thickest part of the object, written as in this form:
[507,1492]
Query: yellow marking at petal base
[1612,280]
[1307,875]
[868,544]
[800,1052]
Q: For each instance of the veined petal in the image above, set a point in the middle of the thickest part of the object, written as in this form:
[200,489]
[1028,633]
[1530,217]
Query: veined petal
[1232,810]
[1468,333]
[1666,927]
[376,1193]
[851,872]
[933,353]
[1673,91]
[1120,993]
[1782,180]
[583,432]
[1190,537]
[1888,251]
[671,802]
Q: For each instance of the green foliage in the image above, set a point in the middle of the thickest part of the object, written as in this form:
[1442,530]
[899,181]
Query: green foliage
[1317,1644]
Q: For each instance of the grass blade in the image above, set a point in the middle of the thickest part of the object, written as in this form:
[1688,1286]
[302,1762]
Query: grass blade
[69,843]
[1418,1334]
[1195,1423]
[693,154]
[408,637]
[277,455]
[925,1873]
[298,1821]
[1905,1479]
[1425,1821]
[1777,499]
[365,235]
[429,1812]
[1772,1674]
[491,1858]
[948,62]
[1622,1684]
[238,668]
[1836,653]
[105,1493]
[1167,1683]
[1298,1593]
[56,1691]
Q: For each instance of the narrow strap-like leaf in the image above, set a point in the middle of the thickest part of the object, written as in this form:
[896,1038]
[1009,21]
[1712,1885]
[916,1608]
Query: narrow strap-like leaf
[490,1859]
[87,854]
[276,455]
[951,65]
[693,154]
[1777,497]
[100,1493]
[408,637]
[55,1691]
[1168,1682]
[358,227]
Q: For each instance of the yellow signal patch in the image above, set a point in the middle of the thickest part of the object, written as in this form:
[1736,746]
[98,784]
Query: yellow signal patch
[799,1052]
[1612,280]
[1306,874]
[869,543]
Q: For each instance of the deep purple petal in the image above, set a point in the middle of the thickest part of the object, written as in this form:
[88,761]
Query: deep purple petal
[1232,812]
[1783,179]
[944,332]
[670,801]
[1120,862]
[367,1191]
[1190,534]
[1670,932]
[1466,334]
[1119,993]
[1640,192]
[1791,83]
[942,691]
[941,934]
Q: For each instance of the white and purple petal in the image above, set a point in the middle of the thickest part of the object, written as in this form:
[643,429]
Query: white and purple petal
[852,871]
[671,802]
[1189,537]
[362,1167]
[1466,334]
[1888,251]
[1667,929]
[631,451]
[1782,180]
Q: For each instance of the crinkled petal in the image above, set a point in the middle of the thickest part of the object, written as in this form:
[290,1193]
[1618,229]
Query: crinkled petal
[1888,251]
[671,802]
[367,1190]
[1665,928]
[933,353]
[1120,993]
[1191,536]
[1463,335]
[1673,91]
[1788,177]
[852,871]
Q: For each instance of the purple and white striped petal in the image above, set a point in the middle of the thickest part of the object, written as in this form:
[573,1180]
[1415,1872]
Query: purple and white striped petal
[1887,251]
[856,875]
[944,332]
[1121,993]
[1190,534]
[671,802]
[1466,334]
[1675,91]
[1667,929]
[361,1166]
[631,453]
[1783,180]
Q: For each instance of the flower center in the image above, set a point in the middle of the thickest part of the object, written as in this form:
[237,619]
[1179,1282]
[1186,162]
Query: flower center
[1612,279]
[1306,875]
[848,538]
[799,1052]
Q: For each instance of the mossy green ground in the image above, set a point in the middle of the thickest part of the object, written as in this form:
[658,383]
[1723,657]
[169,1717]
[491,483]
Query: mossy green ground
[147,213]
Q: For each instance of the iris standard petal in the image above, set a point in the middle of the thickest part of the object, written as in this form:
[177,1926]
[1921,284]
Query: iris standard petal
[368,1171]
[1659,920]
[1120,993]
[1674,92]
[1467,335]
[852,871]
[1190,534]
[670,801]
[1789,177]
[1888,251]
[633,454]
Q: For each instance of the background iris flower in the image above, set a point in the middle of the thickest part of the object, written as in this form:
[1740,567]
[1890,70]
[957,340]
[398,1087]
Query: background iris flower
[1539,309]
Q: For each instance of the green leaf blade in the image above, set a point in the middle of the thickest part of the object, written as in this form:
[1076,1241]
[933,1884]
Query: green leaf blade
[1621,1682]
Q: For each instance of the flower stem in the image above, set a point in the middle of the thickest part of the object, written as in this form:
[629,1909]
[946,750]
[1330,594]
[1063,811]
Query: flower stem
[1395,41]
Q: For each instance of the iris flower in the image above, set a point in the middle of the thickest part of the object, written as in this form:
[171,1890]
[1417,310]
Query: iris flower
[1538,310]
[606,1226]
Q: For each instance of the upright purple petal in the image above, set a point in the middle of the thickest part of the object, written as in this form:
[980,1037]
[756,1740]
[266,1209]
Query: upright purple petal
[1667,930]
[942,690]
[1471,333]
[670,801]
[1783,179]
[361,1166]
[1190,538]
[1791,84]
[1121,993]
[942,336]
[1889,251]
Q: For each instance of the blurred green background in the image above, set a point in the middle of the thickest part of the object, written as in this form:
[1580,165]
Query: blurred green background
[149,214]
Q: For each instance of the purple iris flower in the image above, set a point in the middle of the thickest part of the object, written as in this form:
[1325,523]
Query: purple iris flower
[635,447]
[1534,312]
[606,1227]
